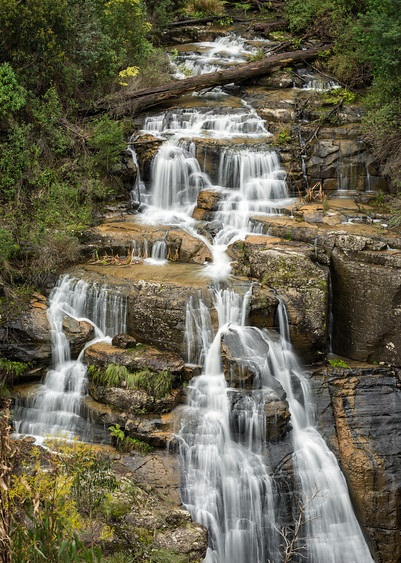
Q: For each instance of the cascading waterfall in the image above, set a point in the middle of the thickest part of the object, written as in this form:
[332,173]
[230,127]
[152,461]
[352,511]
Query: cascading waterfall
[333,534]
[226,486]
[257,185]
[56,409]
[192,122]
[177,177]
[212,56]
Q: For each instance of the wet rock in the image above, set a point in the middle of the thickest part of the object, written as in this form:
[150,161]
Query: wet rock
[268,407]
[277,417]
[207,202]
[367,303]
[135,242]
[139,358]
[211,229]
[78,333]
[124,341]
[280,79]
[28,338]
[367,410]
[288,267]
[157,298]
[146,147]
[238,372]
[134,401]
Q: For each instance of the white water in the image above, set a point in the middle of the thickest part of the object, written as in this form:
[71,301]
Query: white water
[55,409]
[212,56]
[226,477]
[226,483]
[225,486]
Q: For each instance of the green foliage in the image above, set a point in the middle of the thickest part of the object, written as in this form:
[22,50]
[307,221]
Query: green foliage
[107,143]
[284,137]
[337,95]
[127,444]
[11,369]
[156,384]
[337,363]
[49,492]
[164,556]
[12,94]
[259,55]
[8,248]
[243,6]
[204,8]
[70,43]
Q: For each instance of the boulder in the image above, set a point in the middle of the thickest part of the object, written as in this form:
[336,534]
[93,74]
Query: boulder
[124,341]
[272,410]
[135,241]
[290,269]
[134,401]
[28,336]
[78,333]
[157,298]
[366,302]
[142,357]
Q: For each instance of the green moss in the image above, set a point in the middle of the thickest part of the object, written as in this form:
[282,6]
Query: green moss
[337,363]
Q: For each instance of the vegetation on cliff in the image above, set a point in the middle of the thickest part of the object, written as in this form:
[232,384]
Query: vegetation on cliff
[366,53]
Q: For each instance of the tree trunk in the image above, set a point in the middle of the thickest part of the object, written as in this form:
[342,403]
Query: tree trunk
[131,103]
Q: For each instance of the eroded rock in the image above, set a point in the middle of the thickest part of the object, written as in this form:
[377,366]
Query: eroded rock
[28,338]
[78,333]
[289,268]
[366,403]
[134,359]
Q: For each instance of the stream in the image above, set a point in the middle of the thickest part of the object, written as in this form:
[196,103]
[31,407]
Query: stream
[227,480]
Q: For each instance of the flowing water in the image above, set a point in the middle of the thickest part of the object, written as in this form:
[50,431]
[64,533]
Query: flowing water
[228,481]
[55,409]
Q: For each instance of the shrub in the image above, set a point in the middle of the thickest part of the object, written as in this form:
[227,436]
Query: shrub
[49,497]
[107,143]
[12,94]
[156,384]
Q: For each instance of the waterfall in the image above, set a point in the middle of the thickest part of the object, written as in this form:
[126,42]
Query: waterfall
[225,474]
[138,192]
[257,185]
[333,534]
[56,407]
[176,177]
[159,253]
[225,485]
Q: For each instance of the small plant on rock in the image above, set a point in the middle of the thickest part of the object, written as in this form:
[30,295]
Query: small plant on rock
[337,363]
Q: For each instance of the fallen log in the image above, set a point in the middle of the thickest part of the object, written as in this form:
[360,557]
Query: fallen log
[131,103]
[198,21]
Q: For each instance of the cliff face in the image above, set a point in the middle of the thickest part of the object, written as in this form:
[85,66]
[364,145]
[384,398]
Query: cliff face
[365,406]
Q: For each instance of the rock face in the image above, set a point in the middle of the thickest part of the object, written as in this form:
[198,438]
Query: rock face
[157,298]
[288,268]
[136,241]
[366,406]
[366,283]
[78,333]
[140,412]
[367,304]
[28,336]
